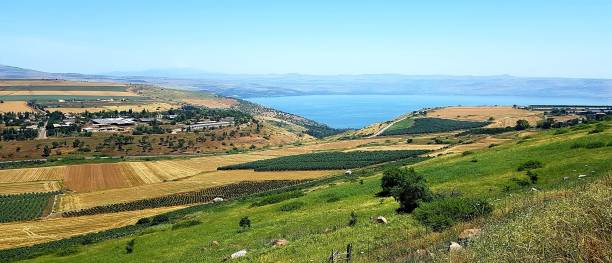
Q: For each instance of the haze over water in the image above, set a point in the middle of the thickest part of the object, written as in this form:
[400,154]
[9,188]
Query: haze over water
[356,111]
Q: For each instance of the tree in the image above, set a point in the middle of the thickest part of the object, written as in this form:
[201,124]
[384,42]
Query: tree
[245,222]
[407,187]
[46,151]
[76,143]
[521,125]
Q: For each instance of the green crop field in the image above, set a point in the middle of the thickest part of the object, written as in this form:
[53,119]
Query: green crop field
[23,206]
[326,160]
[67,88]
[316,221]
[400,125]
[430,125]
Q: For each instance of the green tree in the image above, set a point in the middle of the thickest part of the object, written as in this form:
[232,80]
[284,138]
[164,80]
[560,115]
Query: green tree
[46,151]
[407,187]
[521,125]
[245,222]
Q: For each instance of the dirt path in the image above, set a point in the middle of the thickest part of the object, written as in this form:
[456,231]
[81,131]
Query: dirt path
[388,126]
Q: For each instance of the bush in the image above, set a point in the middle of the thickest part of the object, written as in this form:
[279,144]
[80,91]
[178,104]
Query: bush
[129,248]
[159,219]
[143,221]
[406,186]
[521,125]
[443,213]
[291,206]
[533,177]
[531,164]
[245,222]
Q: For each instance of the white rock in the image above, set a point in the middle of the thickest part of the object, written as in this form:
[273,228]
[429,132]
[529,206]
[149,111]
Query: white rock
[565,178]
[348,172]
[380,220]
[454,246]
[217,199]
[238,254]
[582,176]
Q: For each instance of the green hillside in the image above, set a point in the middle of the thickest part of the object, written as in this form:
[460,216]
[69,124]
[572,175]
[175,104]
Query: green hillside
[317,221]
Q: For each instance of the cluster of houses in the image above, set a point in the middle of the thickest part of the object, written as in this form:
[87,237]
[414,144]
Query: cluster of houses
[121,124]
[590,112]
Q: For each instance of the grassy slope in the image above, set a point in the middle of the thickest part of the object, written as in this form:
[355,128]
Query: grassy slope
[318,227]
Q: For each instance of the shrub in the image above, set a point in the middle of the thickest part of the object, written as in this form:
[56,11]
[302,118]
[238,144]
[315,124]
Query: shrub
[159,219]
[184,224]
[245,222]
[406,186]
[521,125]
[533,177]
[353,220]
[443,213]
[129,248]
[466,153]
[291,206]
[561,131]
[143,221]
[531,164]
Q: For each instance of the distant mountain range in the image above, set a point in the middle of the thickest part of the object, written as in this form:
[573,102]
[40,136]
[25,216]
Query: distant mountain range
[244,86]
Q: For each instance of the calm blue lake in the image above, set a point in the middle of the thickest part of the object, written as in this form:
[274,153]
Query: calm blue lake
[356,111]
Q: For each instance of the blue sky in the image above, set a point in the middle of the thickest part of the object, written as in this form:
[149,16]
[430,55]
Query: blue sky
[524,38]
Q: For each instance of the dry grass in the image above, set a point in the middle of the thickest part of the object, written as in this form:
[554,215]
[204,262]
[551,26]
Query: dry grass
[66,93]
[503,116]
[15,106]
[575,227]
[30,187]
[216,103]
[56,83]
[34,232]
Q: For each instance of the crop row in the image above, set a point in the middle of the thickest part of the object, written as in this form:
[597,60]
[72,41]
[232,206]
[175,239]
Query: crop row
[24,206]
[432,125]
[201,196]
[325,160]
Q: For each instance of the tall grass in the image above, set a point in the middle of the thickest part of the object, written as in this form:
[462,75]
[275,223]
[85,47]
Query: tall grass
[573,229]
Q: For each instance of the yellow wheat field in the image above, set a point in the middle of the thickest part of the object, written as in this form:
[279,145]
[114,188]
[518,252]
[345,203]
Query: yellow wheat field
[30,187]
[56,83]
[503,116]
[134,107]
[15,106]
[33,232]
[66,93]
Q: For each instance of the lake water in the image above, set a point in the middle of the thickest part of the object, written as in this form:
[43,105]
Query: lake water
[356,111]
